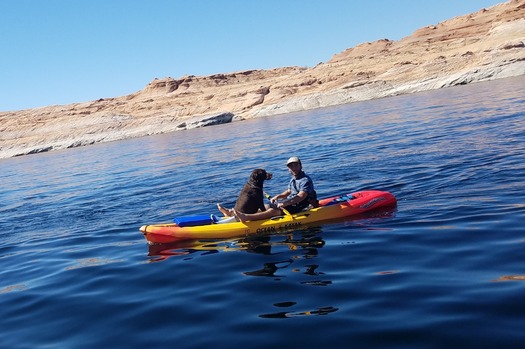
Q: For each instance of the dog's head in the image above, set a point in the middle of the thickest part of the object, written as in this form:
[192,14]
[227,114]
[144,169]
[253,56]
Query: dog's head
[258,176]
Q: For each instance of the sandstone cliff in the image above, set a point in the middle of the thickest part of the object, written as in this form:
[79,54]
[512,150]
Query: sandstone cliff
[486,45]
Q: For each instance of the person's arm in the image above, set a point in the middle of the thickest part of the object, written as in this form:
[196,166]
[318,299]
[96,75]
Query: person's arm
[281,196]
[295,200]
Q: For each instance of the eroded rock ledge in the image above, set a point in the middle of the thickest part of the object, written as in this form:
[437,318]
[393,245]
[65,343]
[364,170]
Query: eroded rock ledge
[485,45]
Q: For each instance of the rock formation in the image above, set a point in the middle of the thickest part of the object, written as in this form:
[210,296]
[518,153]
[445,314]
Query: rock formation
[485,45]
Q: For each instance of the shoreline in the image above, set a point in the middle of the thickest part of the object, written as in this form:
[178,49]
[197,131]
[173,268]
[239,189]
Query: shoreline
[482,46]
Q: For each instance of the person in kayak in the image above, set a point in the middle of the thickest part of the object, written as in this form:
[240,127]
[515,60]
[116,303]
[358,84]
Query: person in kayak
[299,194]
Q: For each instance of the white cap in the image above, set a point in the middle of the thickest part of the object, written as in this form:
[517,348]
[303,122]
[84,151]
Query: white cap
[293,159]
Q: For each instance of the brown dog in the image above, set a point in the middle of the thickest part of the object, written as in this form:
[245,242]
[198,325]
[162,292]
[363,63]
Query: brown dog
[251,197]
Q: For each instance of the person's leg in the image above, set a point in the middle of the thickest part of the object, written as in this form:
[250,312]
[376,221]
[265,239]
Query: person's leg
[269,213]
[225,211]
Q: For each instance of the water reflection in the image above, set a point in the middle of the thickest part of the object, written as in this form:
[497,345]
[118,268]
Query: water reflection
[306,241]
[289,314]
[511,278]
[269,269]
[13,288]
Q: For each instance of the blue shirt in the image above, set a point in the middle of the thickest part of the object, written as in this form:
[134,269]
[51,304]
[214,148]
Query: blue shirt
[301,183]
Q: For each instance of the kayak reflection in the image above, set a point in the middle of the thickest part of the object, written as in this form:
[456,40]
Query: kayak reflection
[284,314]
[307,241]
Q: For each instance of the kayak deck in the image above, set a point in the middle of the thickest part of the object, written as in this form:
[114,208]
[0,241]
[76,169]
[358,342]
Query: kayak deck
[329,208]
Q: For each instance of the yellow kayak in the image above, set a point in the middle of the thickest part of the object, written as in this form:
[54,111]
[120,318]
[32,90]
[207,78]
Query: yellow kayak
[329,208]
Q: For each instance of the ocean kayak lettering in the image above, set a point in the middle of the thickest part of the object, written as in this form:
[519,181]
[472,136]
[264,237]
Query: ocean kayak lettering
[372,202]
[284,227]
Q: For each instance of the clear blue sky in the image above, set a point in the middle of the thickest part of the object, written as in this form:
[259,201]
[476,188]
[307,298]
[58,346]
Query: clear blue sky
[67,51]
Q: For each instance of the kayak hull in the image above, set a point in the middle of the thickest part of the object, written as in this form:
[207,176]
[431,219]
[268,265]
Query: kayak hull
[329,208]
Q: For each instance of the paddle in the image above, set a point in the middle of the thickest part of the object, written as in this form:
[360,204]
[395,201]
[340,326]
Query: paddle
[282,208]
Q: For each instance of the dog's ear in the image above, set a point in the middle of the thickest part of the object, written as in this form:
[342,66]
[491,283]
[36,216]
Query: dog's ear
[254,175]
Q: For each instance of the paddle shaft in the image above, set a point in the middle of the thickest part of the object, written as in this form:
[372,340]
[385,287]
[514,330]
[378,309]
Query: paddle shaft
[282,208]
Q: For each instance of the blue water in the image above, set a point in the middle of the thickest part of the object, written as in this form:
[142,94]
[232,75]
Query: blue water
[445,268]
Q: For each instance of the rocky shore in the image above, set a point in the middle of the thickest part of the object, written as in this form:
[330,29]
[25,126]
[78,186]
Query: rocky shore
[485,45]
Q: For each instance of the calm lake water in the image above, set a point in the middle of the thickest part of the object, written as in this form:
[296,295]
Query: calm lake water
[445,268]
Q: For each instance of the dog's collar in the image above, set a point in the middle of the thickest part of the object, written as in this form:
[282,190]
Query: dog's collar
[254,186]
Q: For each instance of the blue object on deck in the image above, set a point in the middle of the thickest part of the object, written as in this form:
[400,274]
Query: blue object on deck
[340,199]
[191,221]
